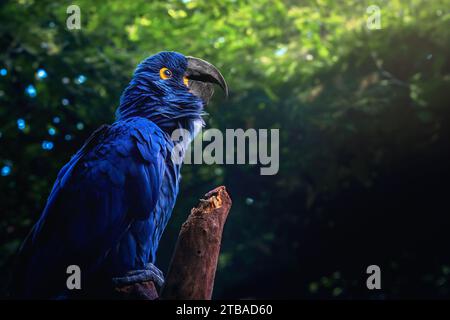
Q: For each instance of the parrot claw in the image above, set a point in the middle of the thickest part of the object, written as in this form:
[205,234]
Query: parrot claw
[149,273]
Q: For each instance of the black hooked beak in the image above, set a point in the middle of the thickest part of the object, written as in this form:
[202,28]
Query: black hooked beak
[202,76]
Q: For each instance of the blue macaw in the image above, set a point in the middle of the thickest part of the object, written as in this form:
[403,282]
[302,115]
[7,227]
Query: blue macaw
[111,202]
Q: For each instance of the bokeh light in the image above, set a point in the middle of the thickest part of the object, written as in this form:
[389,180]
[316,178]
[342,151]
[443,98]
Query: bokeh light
[47,145]
[21,124]
[41,74]
[6,170]
[31,91]
[80,79]
[51,131]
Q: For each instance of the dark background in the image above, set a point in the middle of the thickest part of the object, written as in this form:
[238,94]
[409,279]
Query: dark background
[363,118]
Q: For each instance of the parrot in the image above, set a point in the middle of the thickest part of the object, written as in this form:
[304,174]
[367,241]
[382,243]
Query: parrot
[111,202]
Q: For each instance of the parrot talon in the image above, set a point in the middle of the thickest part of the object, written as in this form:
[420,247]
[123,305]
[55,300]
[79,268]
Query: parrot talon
[150,273]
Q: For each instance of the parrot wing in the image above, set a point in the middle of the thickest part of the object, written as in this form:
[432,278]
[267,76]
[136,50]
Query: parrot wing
[114,179]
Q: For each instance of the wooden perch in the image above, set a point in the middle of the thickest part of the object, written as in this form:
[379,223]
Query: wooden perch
[193,267]
[194,262]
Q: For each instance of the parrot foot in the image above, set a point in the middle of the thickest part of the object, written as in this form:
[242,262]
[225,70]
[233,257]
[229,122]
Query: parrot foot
[149,273]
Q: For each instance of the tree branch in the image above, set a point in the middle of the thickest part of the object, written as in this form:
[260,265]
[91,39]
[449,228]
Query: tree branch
[193,267]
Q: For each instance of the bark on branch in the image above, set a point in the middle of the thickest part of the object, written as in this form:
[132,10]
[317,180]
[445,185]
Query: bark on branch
[193,267]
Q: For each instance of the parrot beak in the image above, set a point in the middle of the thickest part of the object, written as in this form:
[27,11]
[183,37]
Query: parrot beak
[202,76]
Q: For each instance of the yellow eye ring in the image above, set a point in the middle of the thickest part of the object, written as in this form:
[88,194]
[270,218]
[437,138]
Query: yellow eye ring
[165,73]
[186,81]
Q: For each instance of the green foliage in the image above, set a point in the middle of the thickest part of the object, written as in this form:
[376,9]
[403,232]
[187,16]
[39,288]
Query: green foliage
[351,104]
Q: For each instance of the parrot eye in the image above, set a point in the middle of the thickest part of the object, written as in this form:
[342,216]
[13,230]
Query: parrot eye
[186,81]
[165,73]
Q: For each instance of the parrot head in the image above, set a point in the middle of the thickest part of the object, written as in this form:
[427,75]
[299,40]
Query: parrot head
[170,89]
